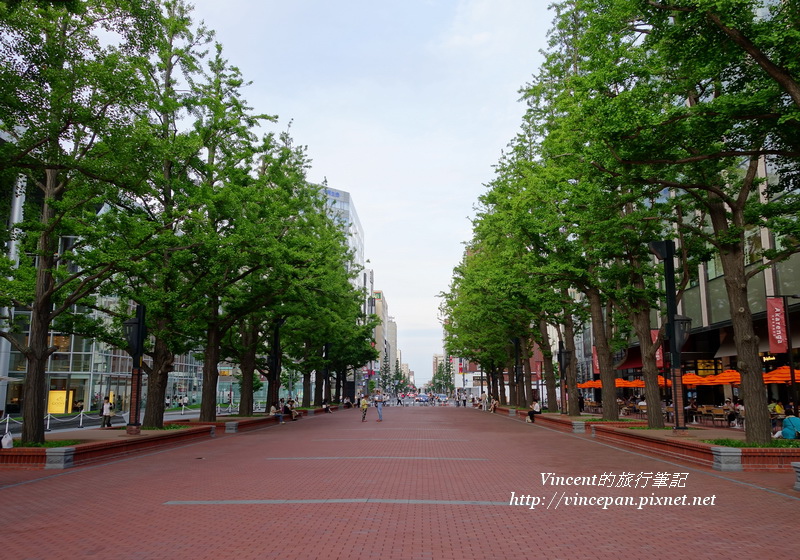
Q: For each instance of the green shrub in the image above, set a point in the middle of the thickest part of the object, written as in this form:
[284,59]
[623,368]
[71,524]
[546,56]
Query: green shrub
[57,443]
[169,427]
[776,443]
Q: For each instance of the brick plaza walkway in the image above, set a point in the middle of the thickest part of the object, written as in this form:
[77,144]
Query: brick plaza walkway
[427,483]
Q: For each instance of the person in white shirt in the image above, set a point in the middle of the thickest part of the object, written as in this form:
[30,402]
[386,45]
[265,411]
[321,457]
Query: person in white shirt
[379,404]
[535,409]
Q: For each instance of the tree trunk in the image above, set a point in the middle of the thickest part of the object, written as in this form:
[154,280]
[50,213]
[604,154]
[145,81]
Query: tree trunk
[548,373]
[319,385]
[35,389]
[339,377]
[38,351]
[247,365]
[607,374]
[527,387]
[208,407]
[306,389]
[326,392]
[652,393]
[573,408]
[512,385]
[754,393]
[274,371]
[758,425]
[496,384]
[157,377]
[319,382]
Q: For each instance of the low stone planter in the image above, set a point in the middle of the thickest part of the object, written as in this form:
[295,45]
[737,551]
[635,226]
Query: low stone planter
[566,423]
[770,459]
[97,451]
[232,426]
[700,453]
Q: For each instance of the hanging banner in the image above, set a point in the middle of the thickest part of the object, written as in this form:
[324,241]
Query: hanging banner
[776,325]
[595,361]
[659,351]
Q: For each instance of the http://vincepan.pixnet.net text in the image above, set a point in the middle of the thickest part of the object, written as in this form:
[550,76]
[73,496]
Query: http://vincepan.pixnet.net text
[639,490]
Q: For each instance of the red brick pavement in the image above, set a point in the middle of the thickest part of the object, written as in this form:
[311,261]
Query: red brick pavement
[439,480]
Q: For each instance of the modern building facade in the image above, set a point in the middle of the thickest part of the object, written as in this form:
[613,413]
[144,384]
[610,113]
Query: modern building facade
[82,371]
[382,342]
[341,208]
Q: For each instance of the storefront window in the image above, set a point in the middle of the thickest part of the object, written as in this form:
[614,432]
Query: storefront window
[718,301]
[788,275]
[81,344]
[59,362]
[81,363]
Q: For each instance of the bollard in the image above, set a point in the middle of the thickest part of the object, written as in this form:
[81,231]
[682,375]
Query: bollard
[727,459]
[231,427]
[59,457]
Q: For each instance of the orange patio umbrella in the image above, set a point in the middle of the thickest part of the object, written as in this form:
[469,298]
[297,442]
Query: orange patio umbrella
[638,383]
[693,379]
[664,381]
[594,384]
[727,377]
[781,375]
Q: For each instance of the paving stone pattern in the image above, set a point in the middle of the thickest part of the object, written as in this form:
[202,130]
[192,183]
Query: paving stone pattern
[426,483]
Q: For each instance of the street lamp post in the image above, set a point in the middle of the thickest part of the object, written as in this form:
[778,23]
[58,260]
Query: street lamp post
[564,359]
[681,327]
[517,384]
[678,327]
[135,332]
[464,386]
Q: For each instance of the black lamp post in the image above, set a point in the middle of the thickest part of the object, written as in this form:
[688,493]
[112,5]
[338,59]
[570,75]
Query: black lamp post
[135,333]
[518,385]
[678,326]
[564,359]
[682,326]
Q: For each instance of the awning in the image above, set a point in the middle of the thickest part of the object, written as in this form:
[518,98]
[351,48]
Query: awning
[633,360]
[728,347]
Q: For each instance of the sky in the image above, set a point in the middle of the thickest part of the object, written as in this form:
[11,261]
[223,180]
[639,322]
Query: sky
[405,104]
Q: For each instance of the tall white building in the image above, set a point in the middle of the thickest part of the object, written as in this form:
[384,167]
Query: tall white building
[343,211]
[391,343]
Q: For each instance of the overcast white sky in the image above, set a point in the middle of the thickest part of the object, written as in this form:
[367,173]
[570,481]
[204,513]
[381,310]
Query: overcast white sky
[407,105]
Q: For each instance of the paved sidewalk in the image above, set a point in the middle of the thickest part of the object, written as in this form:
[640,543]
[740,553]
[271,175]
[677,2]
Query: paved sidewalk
[426,483]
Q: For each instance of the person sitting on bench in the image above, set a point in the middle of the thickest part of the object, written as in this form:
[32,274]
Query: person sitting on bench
[535,409]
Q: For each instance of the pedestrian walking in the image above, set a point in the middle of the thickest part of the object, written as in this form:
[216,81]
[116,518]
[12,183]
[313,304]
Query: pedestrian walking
[364,407]
[108,410]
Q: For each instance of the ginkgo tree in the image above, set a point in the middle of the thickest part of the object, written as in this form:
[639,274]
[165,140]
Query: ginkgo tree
[68,101]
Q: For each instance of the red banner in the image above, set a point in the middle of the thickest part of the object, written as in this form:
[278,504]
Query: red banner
[595,361]
[776,325]
[659,351]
